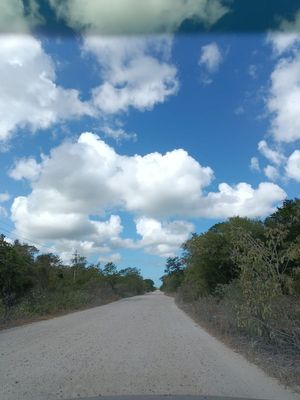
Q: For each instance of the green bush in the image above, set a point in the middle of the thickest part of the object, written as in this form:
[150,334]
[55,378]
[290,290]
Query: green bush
[32,284]
[244,276]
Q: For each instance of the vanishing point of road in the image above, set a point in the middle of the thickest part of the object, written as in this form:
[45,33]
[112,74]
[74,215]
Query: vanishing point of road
[138,345]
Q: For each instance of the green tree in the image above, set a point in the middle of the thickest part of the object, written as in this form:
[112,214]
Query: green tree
[208,256]
[149,285]
[78,264]
[174,274]
[263,279]
[15,274]
[287,218]
[47,270]
[130,282]
[287,215]
[174,265]
[110,272]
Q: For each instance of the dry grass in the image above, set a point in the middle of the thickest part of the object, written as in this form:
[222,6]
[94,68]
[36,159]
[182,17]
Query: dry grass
[19,320]
[45,305]
[276,357]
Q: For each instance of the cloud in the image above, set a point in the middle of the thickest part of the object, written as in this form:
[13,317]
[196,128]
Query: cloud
[254,164]
[154,184]
[118,133]
[29,96]
[76,187]
[283,41]
[66,231]
[273,156]
[3,211]
[283,98]
[163,239]
[239,110]
[252,71]
[114,258]
[210,57]
[25,168]
[271,172]
[283,101]
[64,196]
[242,200]
[66,248]
[4,197]
[15,18]
[293,166]
[287,36]
[123,17]
[43,222]
[135,71]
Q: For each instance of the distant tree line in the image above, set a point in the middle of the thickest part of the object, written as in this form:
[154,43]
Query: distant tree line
[248,268]
[36,284]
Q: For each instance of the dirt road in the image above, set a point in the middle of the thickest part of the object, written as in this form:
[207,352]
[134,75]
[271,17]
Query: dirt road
[140,345]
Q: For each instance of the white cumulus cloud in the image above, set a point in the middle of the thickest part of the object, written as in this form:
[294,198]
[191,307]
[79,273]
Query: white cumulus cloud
[284,99]
[81,180]
[254,164]
[136,16]
[118,133]
[135,71]
[242,200]
[163,239]
[29,96]
[293,166]
[14,18]
[211,57]
[287,36]
[154,184]
[4,197]
[210,60]
[274,156]
[25,168]
[252,71]
[271,172]
[114,258]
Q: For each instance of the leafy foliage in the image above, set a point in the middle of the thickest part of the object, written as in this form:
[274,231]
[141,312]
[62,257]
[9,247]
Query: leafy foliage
[149,285]
[253,266]
[14,282]
[32,283]
[174,274]
[209,256]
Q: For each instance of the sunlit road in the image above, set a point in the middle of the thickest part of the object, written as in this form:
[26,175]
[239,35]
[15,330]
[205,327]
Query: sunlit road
[140,345]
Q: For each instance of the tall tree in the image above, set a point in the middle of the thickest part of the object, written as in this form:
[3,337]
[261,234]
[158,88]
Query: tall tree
[15,274]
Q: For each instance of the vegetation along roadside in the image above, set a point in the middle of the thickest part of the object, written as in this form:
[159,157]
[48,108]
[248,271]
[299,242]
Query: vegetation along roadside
[34,286]
[241,281]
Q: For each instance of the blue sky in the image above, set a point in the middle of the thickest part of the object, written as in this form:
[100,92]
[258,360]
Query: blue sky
[184,131]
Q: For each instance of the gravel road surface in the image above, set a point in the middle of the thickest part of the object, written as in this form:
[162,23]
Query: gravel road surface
[140,345]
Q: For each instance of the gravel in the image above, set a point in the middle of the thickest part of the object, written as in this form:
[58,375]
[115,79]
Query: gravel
[140,345]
